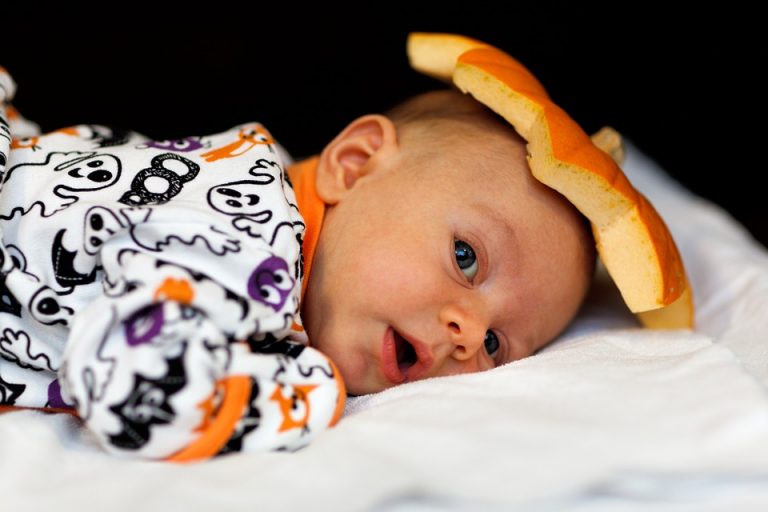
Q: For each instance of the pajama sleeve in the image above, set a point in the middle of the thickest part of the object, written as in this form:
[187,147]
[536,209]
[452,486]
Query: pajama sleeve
[192,348]
[159,281]
[154,374]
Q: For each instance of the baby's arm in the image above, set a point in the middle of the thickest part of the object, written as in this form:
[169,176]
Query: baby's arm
[154,373]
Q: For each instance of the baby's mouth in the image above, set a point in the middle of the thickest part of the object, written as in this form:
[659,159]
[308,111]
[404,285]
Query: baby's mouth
[406,354]
[404,358]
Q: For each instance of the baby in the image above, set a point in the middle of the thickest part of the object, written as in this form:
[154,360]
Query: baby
[439,252]
[200,296]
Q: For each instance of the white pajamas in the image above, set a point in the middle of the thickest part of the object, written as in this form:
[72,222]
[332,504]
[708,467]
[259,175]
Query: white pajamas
[155,286]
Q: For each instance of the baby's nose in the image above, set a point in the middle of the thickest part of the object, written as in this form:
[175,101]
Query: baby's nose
[465,330]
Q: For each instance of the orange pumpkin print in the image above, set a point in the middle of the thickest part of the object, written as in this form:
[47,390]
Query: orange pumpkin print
[295,407]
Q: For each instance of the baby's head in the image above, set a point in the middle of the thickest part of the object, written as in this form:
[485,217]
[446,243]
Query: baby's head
[439,253]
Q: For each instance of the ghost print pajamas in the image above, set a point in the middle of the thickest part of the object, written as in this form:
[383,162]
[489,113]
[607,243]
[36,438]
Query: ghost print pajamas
[153,287]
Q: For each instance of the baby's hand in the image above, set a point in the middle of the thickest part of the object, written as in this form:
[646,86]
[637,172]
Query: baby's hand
[167,384]
[296,393]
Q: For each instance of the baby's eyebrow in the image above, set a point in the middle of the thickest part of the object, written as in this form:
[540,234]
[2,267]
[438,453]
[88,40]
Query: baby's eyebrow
[501,227]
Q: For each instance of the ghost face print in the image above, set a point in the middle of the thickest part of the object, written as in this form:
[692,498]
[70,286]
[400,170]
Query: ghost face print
[90,173]
[240,198]
[100,225]
[48,308]
[183,145]
[270,283]
[61,179]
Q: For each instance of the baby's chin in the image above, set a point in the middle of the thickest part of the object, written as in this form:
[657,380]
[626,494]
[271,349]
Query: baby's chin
[351,371]
[359,377]
[360,389]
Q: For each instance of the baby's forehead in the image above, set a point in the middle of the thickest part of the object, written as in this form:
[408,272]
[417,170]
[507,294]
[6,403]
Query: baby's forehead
[497,183]
[483,146]
[478,133]
[478,165]
[475,160]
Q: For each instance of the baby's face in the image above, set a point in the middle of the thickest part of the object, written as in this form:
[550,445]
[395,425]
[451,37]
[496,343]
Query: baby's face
[442,269]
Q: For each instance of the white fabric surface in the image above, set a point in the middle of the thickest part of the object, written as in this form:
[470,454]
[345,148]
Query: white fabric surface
[610,417]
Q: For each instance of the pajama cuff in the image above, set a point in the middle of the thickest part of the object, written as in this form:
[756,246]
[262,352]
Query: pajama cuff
[237,389]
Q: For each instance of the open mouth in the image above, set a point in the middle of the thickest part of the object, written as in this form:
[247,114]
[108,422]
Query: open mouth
[404,358]
[406,354]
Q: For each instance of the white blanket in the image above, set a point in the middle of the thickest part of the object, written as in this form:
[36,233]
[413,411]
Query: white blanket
[610,417]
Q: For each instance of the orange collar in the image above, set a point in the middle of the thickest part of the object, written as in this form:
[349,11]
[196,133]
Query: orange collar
[302,175]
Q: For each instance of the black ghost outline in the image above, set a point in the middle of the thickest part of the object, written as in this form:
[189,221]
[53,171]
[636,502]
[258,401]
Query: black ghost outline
[226,242]
[43,299]
[18,261]
[63,192]
[12,356]
[298,268]
[263,163]
[109,222]
[247,222]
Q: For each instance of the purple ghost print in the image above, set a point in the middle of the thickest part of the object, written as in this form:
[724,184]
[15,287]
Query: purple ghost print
[144,325]
[183,145]
[270,283]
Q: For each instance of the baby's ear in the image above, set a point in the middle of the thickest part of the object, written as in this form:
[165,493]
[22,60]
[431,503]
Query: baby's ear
[351,154]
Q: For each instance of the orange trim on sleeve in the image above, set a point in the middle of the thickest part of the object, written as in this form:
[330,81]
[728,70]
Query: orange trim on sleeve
[302,175]
[11,408]
[213,439]
[342,399]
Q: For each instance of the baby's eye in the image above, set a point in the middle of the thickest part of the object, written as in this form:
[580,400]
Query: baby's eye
[466,259]
[491,343]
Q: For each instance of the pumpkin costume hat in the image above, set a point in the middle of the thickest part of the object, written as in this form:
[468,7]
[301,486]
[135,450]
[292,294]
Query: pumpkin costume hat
[632,240]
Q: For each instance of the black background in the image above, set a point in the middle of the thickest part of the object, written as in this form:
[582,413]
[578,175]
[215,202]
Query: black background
[685,87]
